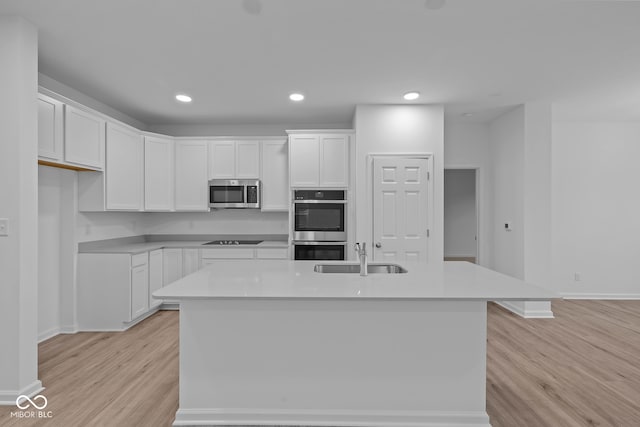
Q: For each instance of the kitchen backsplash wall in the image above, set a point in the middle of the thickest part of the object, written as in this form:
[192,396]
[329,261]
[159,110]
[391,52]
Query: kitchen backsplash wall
[223,221]
[108,225]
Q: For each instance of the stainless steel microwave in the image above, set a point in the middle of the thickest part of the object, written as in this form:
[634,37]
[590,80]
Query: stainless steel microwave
[234,193]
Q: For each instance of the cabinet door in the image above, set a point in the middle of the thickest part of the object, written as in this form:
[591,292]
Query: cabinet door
[84,138]
[304,160]
[247,159]
[275,176]
[171,265]
[124,171]
[190,261]
[158,174]
[155,276]
[139,290]
[191,183]
[50,131]
[222,161]
[334,161]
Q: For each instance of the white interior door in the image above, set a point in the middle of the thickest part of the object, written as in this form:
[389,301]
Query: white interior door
[400,214]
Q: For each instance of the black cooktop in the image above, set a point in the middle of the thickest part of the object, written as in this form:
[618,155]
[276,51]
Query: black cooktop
[234,242]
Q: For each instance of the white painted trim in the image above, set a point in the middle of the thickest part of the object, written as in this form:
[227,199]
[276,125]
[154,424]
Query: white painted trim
[341,418]
[8,397]
[305,131]
[601,296]
[527,314]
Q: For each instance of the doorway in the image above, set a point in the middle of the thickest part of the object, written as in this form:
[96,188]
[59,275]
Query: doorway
[401,207]
[461,215]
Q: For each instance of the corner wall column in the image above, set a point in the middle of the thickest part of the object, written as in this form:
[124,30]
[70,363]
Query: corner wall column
[18,205]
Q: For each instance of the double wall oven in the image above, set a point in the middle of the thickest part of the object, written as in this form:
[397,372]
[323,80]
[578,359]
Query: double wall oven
[320,221]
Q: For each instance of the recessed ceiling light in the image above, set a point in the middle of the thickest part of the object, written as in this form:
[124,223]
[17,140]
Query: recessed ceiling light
[467,114]
[183,98]
[410,96]
[296,97]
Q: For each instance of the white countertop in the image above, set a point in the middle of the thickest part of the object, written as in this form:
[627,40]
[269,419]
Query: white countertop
[136,248]
[297,280]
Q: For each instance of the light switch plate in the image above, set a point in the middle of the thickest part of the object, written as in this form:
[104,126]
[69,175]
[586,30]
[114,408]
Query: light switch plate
[4,227]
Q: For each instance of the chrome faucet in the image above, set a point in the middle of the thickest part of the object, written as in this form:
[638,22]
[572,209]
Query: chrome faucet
[362,253]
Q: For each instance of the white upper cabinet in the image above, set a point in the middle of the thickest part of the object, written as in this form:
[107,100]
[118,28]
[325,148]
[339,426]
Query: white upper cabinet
[275,177]
[158,174]
[319,160]
[84,138]
[121,186]
[304,160]
[247,159]
[124,170]
[191,183]
[222,159]
[234,159]
[334,155]
[50,128]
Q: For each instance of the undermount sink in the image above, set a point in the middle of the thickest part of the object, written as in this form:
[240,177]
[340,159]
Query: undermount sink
[355,268]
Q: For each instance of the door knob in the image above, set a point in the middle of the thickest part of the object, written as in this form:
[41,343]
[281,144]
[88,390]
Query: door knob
[378,245]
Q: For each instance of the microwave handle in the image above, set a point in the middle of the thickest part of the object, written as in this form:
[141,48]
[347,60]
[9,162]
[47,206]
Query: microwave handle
[308,243]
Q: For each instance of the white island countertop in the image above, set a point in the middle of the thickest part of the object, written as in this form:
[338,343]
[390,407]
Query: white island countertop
[280,279]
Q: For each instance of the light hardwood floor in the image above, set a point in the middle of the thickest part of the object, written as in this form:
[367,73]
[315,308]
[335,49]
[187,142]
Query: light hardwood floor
[580,369]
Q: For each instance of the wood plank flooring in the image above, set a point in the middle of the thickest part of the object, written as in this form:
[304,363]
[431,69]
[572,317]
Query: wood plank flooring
[580,369]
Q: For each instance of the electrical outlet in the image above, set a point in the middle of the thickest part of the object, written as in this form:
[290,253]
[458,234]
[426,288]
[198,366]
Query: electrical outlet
[576,277]
[4,227]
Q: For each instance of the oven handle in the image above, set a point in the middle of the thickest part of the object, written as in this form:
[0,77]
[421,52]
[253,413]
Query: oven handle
[297,242]
[344,202]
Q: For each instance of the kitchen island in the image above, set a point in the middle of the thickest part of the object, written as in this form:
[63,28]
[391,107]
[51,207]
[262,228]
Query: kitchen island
[276,343]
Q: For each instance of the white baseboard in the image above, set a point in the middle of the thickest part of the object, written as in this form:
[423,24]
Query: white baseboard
[8,397]
[43,336]
[341,418]
[600,296]
[524,312]
[69,329]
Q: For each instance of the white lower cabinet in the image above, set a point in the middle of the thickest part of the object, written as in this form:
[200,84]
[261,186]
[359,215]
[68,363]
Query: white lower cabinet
[113,290]
[140,288]
[272,253]
[155,276]
[209,256]
[171,265]
[190,261]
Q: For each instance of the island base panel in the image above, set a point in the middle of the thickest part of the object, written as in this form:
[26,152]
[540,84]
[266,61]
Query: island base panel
[332,362]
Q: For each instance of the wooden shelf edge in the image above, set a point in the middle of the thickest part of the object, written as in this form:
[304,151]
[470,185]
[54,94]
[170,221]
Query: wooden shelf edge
[63,166]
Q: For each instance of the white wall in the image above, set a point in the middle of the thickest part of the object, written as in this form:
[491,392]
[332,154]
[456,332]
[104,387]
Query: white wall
[506,151]
[466,145]
[225,221]
[109,225]
[460,213]
[77,96]
[18,204]
[400,129]
[595,209]
[56,251]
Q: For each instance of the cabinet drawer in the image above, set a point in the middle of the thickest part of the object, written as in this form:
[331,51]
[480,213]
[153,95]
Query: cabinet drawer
[272,253]
[139,259]
[227,253]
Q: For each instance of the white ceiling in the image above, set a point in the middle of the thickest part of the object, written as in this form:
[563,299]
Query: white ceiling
[240,59]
